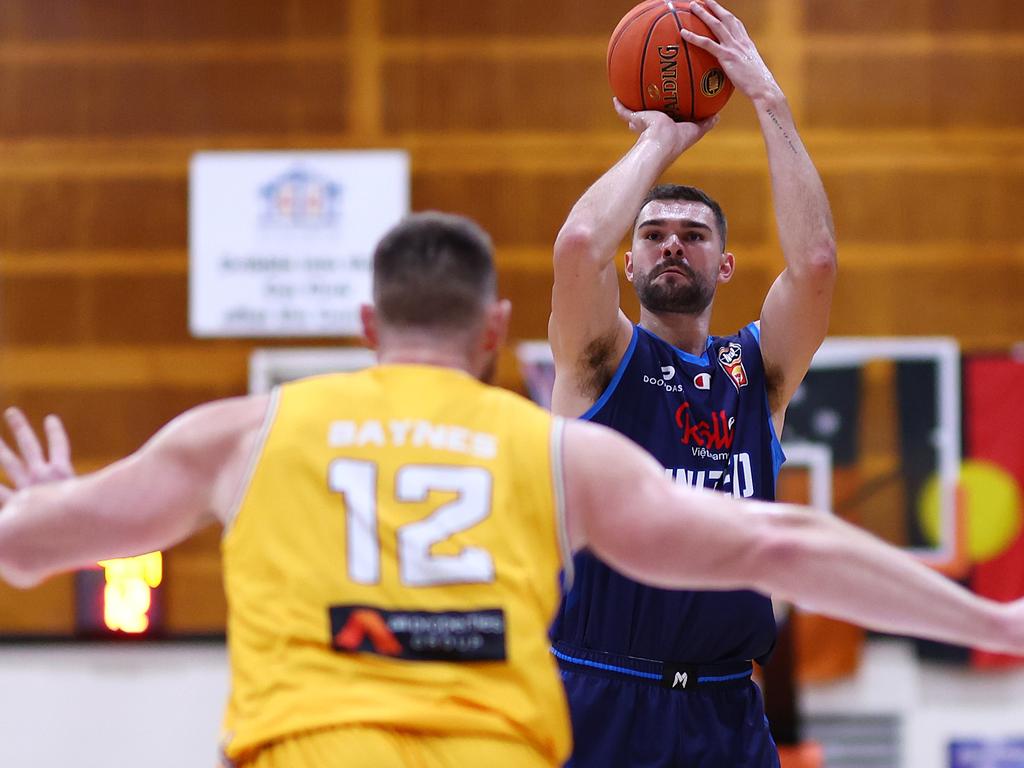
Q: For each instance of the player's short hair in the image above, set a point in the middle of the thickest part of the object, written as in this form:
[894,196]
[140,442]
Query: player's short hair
[681,192]
[433,270]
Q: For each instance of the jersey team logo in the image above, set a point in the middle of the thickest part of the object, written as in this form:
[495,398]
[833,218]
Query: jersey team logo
[366,625]
[730,357]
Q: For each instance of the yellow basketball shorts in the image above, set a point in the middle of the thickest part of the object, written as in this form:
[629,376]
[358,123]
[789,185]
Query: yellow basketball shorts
[360,747]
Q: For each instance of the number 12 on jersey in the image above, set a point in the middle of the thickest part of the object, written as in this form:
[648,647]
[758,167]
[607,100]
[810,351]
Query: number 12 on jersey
[357,482]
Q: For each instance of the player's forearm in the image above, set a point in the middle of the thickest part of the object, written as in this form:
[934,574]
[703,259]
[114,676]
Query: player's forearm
[39,537]
[802,212]
[605,212]
[826,565]
[71,524]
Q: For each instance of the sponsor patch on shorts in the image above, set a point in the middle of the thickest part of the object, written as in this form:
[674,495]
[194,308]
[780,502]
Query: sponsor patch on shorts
[419,635]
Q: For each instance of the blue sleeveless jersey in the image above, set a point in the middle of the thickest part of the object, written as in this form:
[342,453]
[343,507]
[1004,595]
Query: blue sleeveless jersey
[707,420]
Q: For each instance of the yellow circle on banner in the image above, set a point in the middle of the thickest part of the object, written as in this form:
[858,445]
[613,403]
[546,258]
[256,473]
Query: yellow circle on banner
[993,513]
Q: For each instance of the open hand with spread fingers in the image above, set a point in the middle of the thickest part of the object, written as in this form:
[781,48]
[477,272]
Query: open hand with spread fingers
[734,50]
[29,465]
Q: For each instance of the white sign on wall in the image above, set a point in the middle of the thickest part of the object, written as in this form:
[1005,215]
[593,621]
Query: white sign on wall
[281,243]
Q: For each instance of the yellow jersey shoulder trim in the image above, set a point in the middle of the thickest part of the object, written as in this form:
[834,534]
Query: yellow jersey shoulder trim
[256,452]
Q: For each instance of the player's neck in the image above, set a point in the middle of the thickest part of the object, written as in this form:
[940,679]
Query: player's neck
[686,332]
[411,355]
[412,347]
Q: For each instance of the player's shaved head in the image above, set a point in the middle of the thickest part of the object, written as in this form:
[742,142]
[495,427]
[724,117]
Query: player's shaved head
[433,270]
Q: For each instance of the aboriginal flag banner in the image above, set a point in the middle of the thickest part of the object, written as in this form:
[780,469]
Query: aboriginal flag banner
[994,436]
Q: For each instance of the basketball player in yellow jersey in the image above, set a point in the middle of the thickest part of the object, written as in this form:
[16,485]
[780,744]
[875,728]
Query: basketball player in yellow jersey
[394,537]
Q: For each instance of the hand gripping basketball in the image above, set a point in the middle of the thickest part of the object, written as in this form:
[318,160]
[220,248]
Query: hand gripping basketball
[681,136]
[732,48]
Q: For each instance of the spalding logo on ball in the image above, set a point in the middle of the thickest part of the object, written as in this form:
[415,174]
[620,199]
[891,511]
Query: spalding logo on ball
[651,67]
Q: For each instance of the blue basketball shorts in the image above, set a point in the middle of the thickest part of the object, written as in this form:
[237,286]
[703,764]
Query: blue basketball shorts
[678,717]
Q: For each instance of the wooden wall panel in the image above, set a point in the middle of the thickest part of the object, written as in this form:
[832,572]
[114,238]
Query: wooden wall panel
[906,17]
[523,18]
[484,94]
[910,110]
[999,16]
[47,609]
[93,213]
[38,310]
[975,299]
[866,16]
[914,205]
[112,21]
[179,96]
[139,309]
[897,90]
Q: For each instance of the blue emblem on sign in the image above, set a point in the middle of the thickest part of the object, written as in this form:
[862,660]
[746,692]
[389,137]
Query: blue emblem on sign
[300,199]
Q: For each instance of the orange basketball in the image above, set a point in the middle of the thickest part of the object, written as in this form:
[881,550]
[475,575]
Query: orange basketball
[651,67]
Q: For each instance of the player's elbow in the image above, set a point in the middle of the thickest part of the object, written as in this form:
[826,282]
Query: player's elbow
[787,538]
[575,242]
[18,572]
[821,264]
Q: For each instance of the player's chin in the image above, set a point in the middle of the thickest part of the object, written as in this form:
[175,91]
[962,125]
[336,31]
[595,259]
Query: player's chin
[677,277]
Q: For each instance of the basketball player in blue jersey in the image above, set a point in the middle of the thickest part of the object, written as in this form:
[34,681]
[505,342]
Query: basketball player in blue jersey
[660,678]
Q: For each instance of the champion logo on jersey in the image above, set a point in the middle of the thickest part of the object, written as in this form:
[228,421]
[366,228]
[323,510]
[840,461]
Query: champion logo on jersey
[730,357]
[702,380]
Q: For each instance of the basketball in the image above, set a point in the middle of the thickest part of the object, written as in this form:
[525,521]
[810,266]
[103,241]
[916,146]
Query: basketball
[651,67]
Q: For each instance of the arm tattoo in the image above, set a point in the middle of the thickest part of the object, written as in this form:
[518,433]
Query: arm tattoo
[785,134]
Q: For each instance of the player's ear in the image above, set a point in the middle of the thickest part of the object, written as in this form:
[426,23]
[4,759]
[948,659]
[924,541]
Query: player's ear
[368,317]
[497,318]
[629,266]
[726,267]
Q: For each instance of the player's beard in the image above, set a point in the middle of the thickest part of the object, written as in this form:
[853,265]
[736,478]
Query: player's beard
[690,297]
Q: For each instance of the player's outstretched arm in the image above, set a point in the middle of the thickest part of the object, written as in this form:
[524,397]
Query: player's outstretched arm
[180,480]
[621,505]
[794,318]
[586,327]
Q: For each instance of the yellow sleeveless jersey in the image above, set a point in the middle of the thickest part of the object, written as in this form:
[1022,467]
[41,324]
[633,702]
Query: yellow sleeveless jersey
[394,562]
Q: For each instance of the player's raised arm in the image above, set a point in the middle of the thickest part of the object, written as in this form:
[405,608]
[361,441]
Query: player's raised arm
[620,504]
[180,480]
[587,329]
[794,318]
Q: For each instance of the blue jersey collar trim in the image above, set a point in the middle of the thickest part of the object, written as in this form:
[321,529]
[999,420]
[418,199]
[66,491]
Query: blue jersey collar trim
[687,356]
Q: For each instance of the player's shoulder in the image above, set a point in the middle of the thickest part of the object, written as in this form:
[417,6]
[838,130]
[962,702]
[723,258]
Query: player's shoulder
[507,400]
[211,430]
[751,332]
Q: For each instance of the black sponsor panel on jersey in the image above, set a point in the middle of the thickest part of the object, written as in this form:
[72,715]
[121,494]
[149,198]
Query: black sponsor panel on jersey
[419,635]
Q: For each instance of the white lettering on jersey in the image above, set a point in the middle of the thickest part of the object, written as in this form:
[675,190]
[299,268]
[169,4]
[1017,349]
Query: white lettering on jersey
[417,434]
[736,478]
